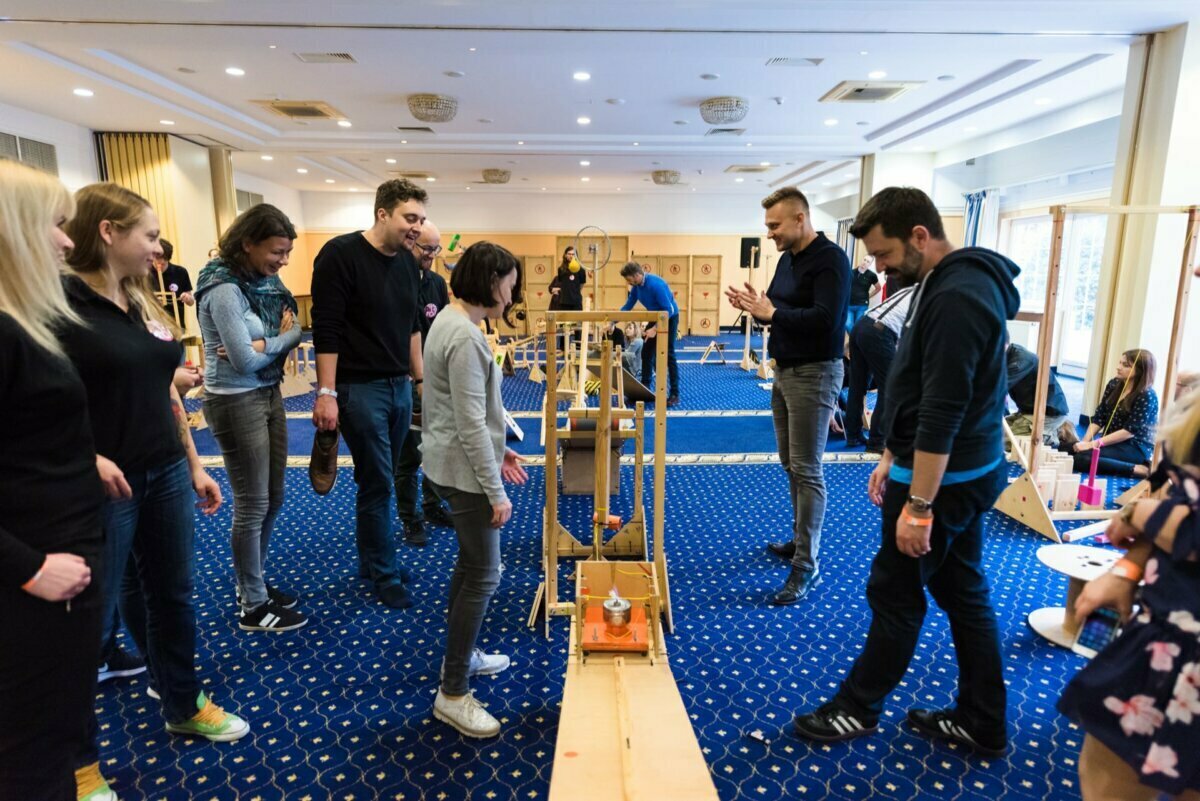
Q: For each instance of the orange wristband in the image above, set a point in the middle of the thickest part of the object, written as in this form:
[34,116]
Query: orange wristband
[924,522]
[29,584]
[1127,569]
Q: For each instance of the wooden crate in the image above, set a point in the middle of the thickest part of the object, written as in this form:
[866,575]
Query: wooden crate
[539,270]
[706,270]
[706,297]
[703,323]
[674,269]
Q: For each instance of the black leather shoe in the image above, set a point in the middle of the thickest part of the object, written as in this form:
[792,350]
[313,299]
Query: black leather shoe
[394,596]
[784,550]
[799,584]
[940,725]
[414,534]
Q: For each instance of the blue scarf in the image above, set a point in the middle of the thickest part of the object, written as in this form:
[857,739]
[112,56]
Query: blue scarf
[267,296]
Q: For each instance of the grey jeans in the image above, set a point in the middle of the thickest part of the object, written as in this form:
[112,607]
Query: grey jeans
[251,430]
[802,401]
[474,582]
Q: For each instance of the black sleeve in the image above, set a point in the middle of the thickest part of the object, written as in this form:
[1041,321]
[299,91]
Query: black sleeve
[185,280]
[330,294]
[874,278]
[18,561]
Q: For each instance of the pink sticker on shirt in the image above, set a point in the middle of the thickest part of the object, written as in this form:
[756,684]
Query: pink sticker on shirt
[159,330]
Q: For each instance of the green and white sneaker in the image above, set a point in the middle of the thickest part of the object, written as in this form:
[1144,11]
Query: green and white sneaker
[91,786]
[212,723]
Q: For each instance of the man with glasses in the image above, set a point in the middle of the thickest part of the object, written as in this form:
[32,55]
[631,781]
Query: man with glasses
[367,334]
[432,297]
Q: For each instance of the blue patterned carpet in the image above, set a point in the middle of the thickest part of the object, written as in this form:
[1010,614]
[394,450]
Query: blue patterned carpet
[341,708]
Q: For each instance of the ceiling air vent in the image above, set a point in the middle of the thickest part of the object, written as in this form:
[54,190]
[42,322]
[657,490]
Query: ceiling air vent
[37,154]
[302,109]
[784,61]
[725,132]
[868,91]
[414,129]
[326,58]
[746,168]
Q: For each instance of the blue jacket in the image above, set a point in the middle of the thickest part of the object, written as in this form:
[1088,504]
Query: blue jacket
[948,382]
[654,294]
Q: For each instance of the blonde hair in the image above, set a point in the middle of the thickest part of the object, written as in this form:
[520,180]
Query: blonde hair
[123,208]
[1181,430]
[31,292]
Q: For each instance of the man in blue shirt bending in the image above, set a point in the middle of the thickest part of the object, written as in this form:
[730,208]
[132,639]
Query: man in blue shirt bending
[654,294]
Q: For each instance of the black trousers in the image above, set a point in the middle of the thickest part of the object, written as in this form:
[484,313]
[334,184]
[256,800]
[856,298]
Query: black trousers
[48,658]
[872,348]
[953,572]
[1115,460]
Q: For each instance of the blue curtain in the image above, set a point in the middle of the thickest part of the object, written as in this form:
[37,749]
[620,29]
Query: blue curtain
[844,240]
[972,217]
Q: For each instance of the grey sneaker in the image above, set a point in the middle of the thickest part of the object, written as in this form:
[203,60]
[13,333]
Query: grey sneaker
[482,664]
[467,715]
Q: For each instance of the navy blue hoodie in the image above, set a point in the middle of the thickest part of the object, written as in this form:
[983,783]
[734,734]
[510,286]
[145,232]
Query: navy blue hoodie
[947,384]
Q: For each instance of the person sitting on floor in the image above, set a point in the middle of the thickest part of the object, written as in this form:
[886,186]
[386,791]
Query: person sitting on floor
[1022,365]
[632,355]
[1125,420]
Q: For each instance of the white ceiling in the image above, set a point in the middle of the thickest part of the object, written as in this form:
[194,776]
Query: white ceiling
[519,76]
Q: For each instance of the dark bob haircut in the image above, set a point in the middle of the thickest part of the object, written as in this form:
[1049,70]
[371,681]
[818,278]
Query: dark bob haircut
[255,224]
[897,210]
[478,272]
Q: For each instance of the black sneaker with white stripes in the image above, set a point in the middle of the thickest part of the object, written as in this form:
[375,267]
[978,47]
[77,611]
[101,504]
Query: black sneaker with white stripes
[274,595]
[940,725]
[270,617]
[830,723]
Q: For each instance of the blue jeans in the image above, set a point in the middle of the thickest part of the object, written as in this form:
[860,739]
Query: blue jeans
[853,315]
[156,527]
[802,401]
[650,358]
[375,416]
[953,572]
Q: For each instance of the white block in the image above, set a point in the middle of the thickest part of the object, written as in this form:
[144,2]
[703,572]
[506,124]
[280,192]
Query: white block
[1066,493]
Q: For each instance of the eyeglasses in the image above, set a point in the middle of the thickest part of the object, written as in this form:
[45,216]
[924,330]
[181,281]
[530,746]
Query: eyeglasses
[430,250]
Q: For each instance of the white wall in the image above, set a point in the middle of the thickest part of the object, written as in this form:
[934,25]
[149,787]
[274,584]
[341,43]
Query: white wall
[284,198]
[674,211]
[76,148]
[195,219]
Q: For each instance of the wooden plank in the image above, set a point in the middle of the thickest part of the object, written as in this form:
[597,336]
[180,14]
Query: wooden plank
[635,742]
[1089,209]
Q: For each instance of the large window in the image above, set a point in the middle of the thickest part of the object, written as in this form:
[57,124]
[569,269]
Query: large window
[1027,242]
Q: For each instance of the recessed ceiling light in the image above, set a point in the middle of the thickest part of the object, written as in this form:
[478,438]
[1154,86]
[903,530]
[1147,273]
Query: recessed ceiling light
[454,73]
[826,183]
[584,120]
[849,175]
[353,189]
[236,72]
[863,53]
[970,129]
[390,161]
[876,75]
[404,141]
[267,158]
[430,178]
[709,76]
[302,171]
[468,189]
[344,123]
[543,189]
[832,121]
[582,76]
[1043,101]
[635,144]
[329,181]
[585,179]
[618,189]
[81,92]
[764,164]
[749,144]
[585,164]
[471,49]
[166,122]
[738,180]
[520,143]
[271,47]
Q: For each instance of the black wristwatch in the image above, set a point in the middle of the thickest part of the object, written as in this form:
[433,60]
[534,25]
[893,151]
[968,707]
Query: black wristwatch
[919,504]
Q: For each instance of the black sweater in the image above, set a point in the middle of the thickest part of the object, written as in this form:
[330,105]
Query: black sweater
[365,308]
[947,384]
[570,289]
[810,290]
[50,492]
[433,297]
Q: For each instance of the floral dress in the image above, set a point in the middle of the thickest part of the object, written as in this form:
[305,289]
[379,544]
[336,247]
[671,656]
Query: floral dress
[1140,696]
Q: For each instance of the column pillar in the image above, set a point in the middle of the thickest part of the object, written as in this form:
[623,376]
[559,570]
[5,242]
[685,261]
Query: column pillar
[220,162]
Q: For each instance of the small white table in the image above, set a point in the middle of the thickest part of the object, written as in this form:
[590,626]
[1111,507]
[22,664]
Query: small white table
[1081,564]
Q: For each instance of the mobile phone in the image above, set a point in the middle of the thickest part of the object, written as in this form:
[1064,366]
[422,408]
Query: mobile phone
[1097,631]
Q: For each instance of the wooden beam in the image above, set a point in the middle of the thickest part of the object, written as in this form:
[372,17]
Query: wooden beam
[1084,208]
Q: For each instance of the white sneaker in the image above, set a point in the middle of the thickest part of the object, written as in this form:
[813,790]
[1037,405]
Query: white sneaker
[467,715]
[482,664]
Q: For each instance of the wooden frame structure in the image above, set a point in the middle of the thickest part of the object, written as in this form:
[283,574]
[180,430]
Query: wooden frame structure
[631,538]
[1022,500]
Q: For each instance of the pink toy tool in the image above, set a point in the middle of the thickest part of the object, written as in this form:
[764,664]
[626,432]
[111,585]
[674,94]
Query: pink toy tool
[1089,493]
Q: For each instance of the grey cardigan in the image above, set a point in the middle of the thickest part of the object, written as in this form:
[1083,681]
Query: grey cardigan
[462,414]
[226,319]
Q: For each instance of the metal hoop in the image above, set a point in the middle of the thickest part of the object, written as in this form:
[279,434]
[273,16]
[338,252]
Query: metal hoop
[595,268]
